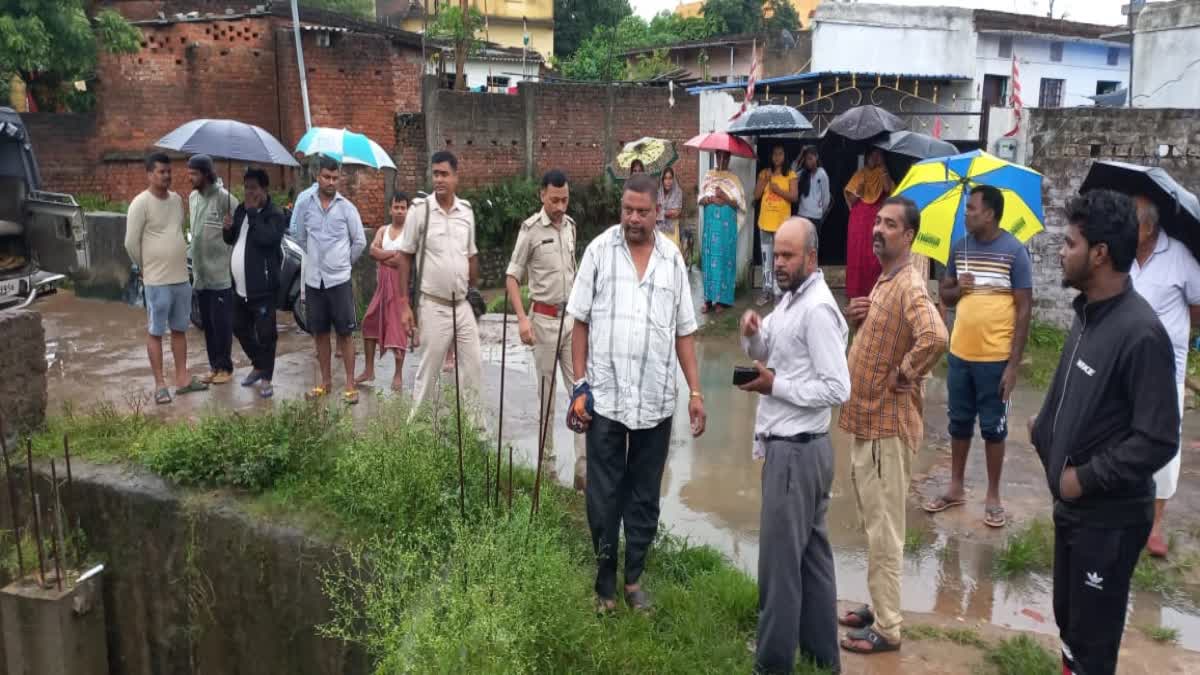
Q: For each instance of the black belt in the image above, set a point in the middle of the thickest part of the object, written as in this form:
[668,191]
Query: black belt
[798,438]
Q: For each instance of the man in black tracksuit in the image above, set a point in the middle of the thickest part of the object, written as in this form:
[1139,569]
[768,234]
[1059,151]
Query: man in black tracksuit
[1109,421]
[256,233]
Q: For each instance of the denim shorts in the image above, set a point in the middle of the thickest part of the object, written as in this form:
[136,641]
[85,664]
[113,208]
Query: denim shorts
[169,306]
[973,390]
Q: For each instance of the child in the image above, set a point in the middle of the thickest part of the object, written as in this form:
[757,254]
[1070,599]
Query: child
[382,322]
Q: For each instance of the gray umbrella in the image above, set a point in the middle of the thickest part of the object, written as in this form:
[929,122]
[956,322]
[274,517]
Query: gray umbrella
[769,119]
[913,144]
[862,122]
[1178,209]
[228,139]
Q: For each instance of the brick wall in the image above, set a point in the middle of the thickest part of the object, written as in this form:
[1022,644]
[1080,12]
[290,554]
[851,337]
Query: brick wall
[242,69]
[23,362]
[1062,144]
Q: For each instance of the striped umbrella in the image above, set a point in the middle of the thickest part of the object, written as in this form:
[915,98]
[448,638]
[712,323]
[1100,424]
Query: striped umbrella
[345,146]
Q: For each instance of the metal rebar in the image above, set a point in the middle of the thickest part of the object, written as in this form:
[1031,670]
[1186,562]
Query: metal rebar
[55,530]
[537,476]
[544,427]
[37,515]
[12,501]
[70,483]
[462,477]
[500,423]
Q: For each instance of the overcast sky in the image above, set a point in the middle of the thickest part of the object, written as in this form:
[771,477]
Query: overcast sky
[1092,11]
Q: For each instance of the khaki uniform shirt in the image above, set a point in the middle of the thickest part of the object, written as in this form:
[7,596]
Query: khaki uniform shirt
[449,244]
[545,254]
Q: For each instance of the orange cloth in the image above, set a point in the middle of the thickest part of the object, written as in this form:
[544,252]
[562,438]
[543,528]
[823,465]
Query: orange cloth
[869,184]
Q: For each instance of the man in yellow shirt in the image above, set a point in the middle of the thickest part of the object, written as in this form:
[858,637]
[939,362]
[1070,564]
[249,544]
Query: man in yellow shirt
[990,280]
[778,188]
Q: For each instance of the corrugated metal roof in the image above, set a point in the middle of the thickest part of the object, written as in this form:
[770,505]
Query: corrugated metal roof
[801,78]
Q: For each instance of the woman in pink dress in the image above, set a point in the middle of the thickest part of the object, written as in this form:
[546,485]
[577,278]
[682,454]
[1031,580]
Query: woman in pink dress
[381,325]
[865,193]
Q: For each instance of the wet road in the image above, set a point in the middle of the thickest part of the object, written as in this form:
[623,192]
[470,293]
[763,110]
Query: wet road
[711,488]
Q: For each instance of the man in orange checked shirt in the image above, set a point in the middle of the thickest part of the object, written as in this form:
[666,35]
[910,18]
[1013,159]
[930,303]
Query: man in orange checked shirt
[900,337]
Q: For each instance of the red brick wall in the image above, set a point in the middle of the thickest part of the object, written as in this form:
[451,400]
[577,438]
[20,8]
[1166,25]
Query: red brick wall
[485,131]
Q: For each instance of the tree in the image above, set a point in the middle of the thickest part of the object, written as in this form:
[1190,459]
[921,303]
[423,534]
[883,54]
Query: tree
[52,42]
[601,57]
[577,20]
[735,16]
[361,8]
[449,25]
[783,17]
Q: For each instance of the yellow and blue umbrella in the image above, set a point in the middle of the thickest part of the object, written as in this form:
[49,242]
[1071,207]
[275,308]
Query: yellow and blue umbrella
[940,187]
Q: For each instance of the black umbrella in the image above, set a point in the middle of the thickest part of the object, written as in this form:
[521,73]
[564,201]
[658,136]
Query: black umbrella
[1178,209]
[913,144]
[769,119]
[863,122]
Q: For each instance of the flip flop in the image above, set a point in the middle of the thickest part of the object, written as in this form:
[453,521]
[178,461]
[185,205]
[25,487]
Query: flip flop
[350,397]
[266,390]
[162,396]
[994,516]
[939,504]
[315,393]
[868,635]
[863,617]
[191,387]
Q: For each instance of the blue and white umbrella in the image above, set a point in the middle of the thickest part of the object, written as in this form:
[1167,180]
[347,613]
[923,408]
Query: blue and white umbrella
[345,146]
[228,139]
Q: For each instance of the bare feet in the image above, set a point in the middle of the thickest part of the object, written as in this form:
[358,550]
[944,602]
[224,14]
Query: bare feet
[368,375]
[397,383]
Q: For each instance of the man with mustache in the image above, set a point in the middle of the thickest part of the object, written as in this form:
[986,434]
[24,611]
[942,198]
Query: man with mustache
[1109,422]
[898,340]
[634,329]
[800,353]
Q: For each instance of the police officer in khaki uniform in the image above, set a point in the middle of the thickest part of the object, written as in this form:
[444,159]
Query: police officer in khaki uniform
[545,255]
[439,238]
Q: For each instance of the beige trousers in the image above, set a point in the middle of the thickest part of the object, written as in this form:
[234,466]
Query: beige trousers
[545,332]
[880,471]
[436,326]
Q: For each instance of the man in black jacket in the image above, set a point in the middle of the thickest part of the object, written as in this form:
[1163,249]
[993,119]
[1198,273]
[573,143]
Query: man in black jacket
[1109,421]
[255,234]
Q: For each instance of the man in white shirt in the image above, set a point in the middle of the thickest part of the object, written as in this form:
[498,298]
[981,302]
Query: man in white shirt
[1166,274]
[634,329]
[800,353]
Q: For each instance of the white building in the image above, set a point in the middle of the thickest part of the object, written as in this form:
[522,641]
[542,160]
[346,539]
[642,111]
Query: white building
[1166,61]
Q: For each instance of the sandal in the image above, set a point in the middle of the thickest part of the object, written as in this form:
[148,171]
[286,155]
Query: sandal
[191,387]
[638,601]
[868,635]
[605,606]
[994,516]
[162,396]
[350,397]
[315,393]
[939,504]
[266,390]
[857,618]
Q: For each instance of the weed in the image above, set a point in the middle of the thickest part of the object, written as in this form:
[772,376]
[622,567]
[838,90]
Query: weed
[721,325]
[1150,575]
[498,304]
[968,637]
[1028,549]
[1162,634]
[1044,349]
[1022,655]
[94,202]
[915,539]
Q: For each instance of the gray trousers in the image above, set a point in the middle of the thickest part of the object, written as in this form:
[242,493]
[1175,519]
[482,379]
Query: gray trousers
[797,589]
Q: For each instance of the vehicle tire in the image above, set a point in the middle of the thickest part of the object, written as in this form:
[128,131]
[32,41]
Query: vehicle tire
[299,313]
[197,320]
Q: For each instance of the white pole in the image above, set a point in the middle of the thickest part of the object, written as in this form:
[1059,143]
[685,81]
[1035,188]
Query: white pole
[300,64]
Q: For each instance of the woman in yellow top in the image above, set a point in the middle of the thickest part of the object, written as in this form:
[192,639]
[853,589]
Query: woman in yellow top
[778,188]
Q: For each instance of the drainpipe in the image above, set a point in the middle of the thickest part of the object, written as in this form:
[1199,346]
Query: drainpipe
[300,64]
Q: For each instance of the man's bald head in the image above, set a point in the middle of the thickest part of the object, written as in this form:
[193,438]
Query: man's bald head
[795,252]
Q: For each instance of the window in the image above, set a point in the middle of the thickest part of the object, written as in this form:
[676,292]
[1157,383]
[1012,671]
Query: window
[1107,87]
[1056,49]
[497,82]
[1006,48]
[1051,93]
[1114,56]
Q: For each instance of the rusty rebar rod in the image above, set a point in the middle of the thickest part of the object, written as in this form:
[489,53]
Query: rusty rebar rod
[462,477]
[55,530]
[500,423]
[70,483]
[544,427]
[13,503]
[37,515]
[537,477]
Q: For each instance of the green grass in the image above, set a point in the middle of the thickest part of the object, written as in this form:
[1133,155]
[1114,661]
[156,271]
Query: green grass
[722,325]
[1043,349]
[967,637]
[94,202]
[1161,634]
[421,587]
[915,539]
[500,304]
[1164,576]
[1022,655]
[1028,549]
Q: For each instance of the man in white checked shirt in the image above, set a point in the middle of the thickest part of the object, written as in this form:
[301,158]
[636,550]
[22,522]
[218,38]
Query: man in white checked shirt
[634,329]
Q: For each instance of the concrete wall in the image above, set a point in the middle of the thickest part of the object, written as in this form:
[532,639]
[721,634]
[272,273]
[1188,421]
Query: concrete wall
[1083,65]
[891,38]
[1167,44]
[1062,144]
[23,363]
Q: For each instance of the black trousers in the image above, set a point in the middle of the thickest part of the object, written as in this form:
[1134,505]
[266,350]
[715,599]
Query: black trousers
[624,470]
[1092,568]
[254,325]
[216,317]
